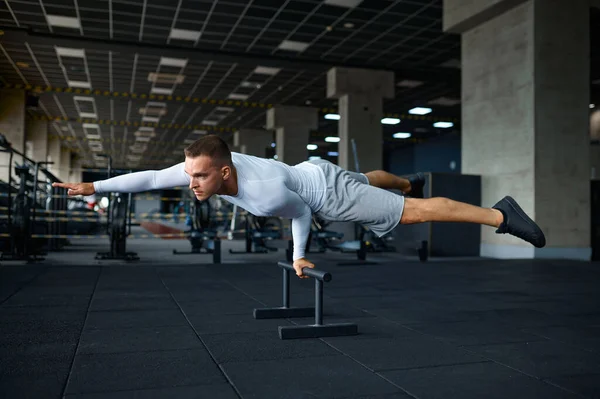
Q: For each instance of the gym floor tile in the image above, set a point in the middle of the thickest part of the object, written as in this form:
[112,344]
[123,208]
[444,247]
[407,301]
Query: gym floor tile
[240,323]
[328,377]
[219,391]
[139,303]
[138,340]
[246,347]
[134,319]
[476,333]
[142,370]
[476,380]
[238,304]
[583,384]
[587,338]
[541,359]
[400,353]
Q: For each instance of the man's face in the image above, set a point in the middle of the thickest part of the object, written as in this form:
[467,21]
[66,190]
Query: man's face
[206,178]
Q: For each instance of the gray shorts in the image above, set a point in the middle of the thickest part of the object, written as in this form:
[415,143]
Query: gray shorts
[350,198]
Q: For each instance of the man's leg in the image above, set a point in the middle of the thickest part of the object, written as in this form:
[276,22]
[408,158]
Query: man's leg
[507,216]
[412,185]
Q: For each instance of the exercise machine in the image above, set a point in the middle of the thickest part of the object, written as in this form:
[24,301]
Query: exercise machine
[259,231]
[118,225]
[202,236]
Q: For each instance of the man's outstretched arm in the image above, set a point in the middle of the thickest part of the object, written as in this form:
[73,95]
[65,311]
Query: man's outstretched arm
[132,183]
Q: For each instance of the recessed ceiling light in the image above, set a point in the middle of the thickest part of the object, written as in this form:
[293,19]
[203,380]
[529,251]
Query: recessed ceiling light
[224,109]
[402,135]
[63,22]
[77,83]
[262,70]
[185,34]
[443,125]
[22,65]
[343,3]
[161,90]
[165,78]
[311,158]
[70,52]
[252,85]
[311,147]
[419,111]
[209,122]
[409,83]
[236,96]
[592,105]
[390,121]
[332,139]
[333,153]
[349,25]
[291,45]
[333,117]
[174,62]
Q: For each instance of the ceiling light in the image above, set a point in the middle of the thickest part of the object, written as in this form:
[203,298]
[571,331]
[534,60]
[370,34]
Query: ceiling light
[80,84]
[70,52]
[236,96]
[333,117]
[91,126]
[419,111]
[275,156]
[252,85]
[343,3]
[184,34]
[209,122]
[390,121]
[165,78]
[592,105]
[332,139]
[22,65]
[162,90]
[150,119]
[291,45]
[402,135]
[443,125]
[333,154]
[63,22]
[174,62]
[273,145]
[313,158]
[262,70]
[199,132]
[349,25]
[311,147]
[409,83]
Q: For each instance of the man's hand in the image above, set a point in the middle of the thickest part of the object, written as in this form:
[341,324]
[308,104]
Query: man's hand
[77,188]
[300,264]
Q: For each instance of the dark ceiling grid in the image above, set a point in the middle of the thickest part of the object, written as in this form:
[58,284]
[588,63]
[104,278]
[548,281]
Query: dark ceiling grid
[299,21]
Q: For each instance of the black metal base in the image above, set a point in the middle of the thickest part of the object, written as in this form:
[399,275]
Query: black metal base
[318,331]
[283,313]
[127,256]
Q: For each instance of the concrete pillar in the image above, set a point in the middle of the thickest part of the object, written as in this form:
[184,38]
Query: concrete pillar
[12,126]
[253,141]
[595,161]
[36,140]
[292,130]
[54,154]
[65,164]
[525,112]
[360,95]
[76,172]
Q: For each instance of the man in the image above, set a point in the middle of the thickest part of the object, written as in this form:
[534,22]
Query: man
[266,187]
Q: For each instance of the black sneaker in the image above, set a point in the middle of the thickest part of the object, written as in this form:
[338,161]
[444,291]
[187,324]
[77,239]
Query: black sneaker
[518,224]
[417,181]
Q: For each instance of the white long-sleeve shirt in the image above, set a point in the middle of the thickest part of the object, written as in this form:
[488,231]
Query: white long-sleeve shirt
[265,188]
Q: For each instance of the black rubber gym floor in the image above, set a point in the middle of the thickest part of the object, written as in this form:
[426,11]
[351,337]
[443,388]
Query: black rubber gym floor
[451,329]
